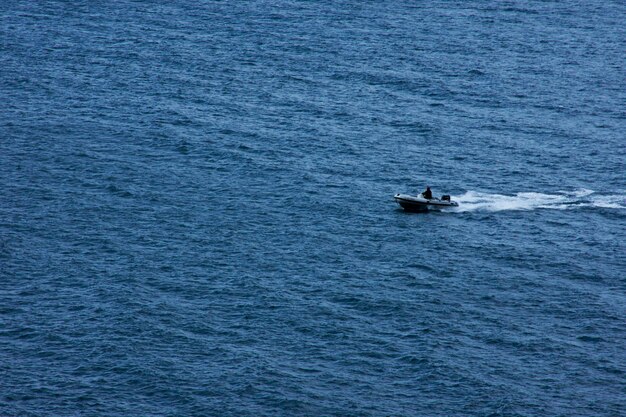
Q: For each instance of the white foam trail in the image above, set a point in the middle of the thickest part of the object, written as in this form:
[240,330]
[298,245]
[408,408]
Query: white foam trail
[478,201]
[583,192]
[610,201]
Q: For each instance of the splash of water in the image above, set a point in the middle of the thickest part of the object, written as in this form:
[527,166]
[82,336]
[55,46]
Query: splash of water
[478,201]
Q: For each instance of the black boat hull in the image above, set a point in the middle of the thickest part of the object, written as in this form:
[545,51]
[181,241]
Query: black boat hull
[420,205]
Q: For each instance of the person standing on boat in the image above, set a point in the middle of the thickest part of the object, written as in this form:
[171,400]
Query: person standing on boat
[427,194]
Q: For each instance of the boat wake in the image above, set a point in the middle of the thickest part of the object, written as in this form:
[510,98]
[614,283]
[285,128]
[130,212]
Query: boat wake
[477,201]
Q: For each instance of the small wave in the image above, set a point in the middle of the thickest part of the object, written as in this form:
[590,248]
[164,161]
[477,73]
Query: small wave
[478,201]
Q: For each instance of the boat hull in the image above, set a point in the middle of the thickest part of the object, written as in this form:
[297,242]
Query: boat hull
[419,204]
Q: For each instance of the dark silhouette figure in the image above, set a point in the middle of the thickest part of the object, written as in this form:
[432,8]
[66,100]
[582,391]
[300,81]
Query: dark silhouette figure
[427,194]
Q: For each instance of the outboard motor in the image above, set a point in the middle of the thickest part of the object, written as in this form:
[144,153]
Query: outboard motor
[445,197]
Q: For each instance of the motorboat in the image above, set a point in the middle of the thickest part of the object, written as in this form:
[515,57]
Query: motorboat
[420,204]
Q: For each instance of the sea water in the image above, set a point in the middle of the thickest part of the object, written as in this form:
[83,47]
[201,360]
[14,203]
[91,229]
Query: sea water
[197,214]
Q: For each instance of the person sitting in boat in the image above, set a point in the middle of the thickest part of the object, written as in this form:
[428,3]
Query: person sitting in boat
[427,194]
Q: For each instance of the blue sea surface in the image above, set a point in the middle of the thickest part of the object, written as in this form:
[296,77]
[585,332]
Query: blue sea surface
[197,214]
